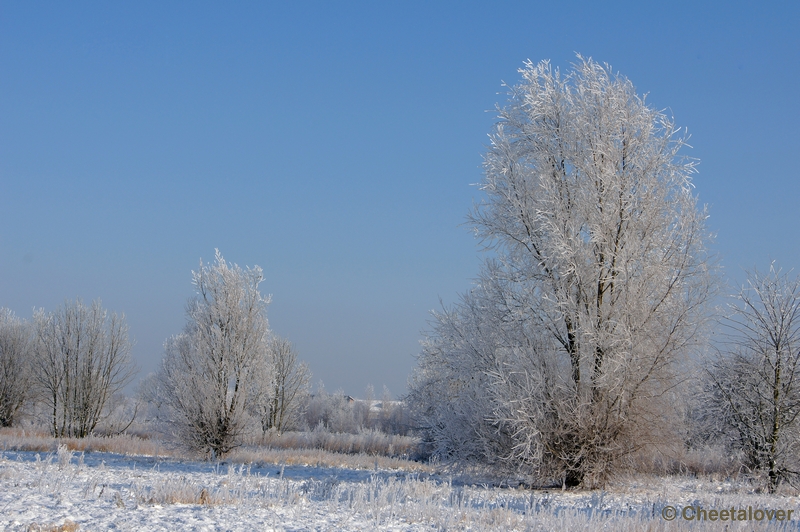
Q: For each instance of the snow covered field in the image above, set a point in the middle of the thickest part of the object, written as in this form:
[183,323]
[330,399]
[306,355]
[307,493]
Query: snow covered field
[104,491]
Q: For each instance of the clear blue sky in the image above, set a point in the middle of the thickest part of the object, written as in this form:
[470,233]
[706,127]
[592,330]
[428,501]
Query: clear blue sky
[334,144]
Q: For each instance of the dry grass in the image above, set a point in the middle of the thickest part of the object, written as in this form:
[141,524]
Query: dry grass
[322,458]
[354,451]
[176,491]
[365,442]
[369,442]
[67,526]
[711,462]
[13,439]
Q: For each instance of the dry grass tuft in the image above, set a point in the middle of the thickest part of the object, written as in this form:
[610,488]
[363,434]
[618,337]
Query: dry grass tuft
[176,491]
[67,526]
[322,458]
[712,462]
[365,442]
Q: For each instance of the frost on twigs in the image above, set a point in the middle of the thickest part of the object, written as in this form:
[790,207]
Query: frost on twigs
[752,399]
[81,360]
[565,355]
[220,362]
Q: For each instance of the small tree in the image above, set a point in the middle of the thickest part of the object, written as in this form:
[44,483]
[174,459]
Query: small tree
[282,403]
[755,383]
[15,366]
[220,363]
[82,358]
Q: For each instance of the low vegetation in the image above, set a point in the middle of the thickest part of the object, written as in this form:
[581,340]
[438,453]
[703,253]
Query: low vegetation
[368,450]
[109,492]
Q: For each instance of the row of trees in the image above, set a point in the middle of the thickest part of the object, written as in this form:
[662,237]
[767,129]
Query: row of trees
[569,353]
[225,373]
[225,376]
[70,363]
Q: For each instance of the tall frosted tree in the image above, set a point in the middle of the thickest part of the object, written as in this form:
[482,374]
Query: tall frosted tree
[561,359]
[220,362]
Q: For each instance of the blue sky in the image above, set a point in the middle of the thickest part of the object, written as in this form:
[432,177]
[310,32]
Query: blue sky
[335,145]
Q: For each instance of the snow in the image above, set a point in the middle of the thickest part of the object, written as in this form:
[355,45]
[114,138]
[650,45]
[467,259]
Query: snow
[103,491]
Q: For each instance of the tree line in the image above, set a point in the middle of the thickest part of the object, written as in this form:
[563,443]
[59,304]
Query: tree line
[71,361]
[225,377]
[223,372]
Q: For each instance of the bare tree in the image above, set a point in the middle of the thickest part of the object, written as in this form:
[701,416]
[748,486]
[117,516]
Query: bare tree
[220,363]
[560,357]
[755,383]
[82,358]
[281,406]
[15,370]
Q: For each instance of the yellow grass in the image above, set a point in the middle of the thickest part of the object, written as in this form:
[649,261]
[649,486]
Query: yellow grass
[67,526]
[14,439]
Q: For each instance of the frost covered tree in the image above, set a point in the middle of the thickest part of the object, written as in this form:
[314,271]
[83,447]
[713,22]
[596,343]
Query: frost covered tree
[754,398]
[15,366]
[561,359]
[282,403]
[220,362]
[81,359]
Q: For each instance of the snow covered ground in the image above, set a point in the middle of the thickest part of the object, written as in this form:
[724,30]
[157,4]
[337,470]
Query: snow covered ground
[104,491]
